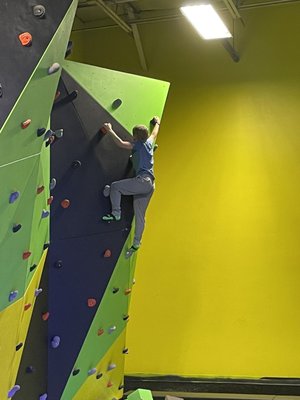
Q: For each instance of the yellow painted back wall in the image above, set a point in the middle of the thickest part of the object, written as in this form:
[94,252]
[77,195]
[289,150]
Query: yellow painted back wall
[218,276]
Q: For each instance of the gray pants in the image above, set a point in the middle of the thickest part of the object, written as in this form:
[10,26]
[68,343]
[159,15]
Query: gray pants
[141,188]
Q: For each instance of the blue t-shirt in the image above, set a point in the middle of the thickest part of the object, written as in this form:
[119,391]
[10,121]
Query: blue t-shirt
[142,157]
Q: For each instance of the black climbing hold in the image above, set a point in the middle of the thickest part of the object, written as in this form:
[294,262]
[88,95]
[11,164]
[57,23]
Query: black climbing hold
[58,264]
[69,48]
[98,376]
[39,11]
[75,372]
[30,369]
[67,99]
[1,90]
[46,246]
[40,132]
[125,350]
[121,386]
[76,164]
[16,227]
[19,346]
[116,103]
[115,290]
[126,317]
[33,267]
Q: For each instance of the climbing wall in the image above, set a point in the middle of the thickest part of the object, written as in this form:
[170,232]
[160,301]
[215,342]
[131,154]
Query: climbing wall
[33,45]
[90,280]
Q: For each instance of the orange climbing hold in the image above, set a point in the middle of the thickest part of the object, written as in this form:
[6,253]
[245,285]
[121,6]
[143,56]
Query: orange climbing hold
[109,384]
[49,201]
[26,255]
[26,123]
[40,189]
[107,253]
[65,203]
[45,316]
[27,306]
[25,38]
[92,302]
[100,332]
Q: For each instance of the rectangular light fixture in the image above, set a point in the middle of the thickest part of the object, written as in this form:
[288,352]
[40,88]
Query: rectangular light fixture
[206,21]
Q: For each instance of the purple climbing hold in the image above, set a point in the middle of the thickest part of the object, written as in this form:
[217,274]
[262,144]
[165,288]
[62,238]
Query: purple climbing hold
[30,369]
[13,197]
[45,213]
[92,371]
[43,396]
[55,342]
[13,295]
[16,227]
[37,292]
[13,391]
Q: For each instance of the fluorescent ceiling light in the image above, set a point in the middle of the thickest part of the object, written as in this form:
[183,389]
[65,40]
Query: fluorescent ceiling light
[206,21]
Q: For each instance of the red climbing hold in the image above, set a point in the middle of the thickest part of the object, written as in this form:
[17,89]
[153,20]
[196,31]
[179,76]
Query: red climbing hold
[26,123]
[25,39]
[49,201]
[57,94]
[45,316]
[127,291]
[100,332]
[92,302]
[27,306]
[109,384]
[26,255]
[40,189]
[107,253]
[65,203]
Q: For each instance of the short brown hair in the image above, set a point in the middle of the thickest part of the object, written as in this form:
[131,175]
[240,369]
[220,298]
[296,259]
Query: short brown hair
[140,132]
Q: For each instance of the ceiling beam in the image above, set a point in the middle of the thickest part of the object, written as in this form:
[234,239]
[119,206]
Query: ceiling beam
[108,11]
[137,39]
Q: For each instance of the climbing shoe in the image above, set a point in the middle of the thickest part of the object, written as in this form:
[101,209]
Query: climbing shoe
[131,250]
[110,217]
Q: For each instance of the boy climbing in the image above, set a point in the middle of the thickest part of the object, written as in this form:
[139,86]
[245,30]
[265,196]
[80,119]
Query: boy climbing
[141,187]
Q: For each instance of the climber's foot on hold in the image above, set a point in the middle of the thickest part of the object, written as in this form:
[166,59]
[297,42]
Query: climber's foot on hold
[106,191]
[132,250]
[111,217]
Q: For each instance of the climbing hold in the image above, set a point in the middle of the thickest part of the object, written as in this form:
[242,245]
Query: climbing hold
[121,386]
[13,391]
[25,39]
[1,90]
[33,267]
[67,99]
[98,376]
[75,372]
[30,369]
[50,141]
[52,183]
[59,133]
[27,306]
[126,317]
[116,103]
[25,124]
[46,246]
[13,295]
[53,68]
[92,371]
[92,302]
[127,291]
[13,197]
[40,132]
[40,189]
[26,255]
[19,346]
[100,332]
[69,48]
[65,203]
[43,396]
[49,201]
[58,264]
[125,350]
[111,366]
[107,253]
[45,316]
[76,164]
[57,94]
[39,11]
[45,214]
[133,281]
[16,227]
[55,342]
[109,384]
[115,290]
[48,134]
[112,329]
[37,292]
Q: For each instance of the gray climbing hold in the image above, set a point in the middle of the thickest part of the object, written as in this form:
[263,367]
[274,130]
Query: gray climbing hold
[92,371]
[40,132]
[111,366]
[76,164]
[52,183]
[1,90]
[112,329]
[39,11]
[37,292]
[53,68]
[59,133]
[55,342]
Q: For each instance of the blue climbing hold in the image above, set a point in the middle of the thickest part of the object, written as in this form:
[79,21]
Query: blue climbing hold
[45,213]
[13,197]
[43,397]
[13,391]
[13,295]
[55,342]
